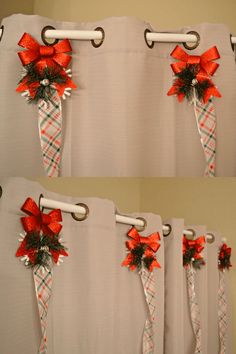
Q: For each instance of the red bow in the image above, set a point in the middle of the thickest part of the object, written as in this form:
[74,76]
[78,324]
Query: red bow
[44,55]
[36,221]
[151,241]
[152,246]
[197,244]
[225,250]
[224,257]
[206,68]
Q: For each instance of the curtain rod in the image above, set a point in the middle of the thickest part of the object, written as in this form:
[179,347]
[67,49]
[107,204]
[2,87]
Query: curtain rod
[151,36]
[73,208]
[96,35]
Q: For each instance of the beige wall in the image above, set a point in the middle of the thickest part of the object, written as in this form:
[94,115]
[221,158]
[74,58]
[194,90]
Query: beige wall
[8,7]
[211,202]
[162,14]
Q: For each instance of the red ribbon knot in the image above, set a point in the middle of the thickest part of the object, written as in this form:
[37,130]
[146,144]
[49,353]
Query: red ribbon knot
[38,221]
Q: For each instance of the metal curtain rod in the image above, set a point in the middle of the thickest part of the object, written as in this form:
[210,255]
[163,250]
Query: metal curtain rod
[73,208]
[97,34]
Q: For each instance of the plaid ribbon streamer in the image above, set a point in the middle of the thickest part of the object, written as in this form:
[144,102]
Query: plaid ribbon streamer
[43,289]
[194,309]
[222,312]
[206,122]
[50,127]
[148,282]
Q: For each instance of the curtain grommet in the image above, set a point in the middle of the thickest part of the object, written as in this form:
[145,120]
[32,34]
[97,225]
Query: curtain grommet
[1,28]
[232,44]
[191,237]
[211,239]
[83,217]
[141,228]
[166,234]
[195,45]
[150,45]
[45,41]
[39,203]
[0,192]
[93,41]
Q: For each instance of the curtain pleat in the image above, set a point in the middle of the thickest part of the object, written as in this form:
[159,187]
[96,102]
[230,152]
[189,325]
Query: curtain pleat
[120,121]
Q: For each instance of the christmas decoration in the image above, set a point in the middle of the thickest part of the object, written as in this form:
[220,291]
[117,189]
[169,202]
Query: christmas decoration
[46,79]
[142,251]
[192,252]
[41,247]
[141,256]
[224,257]
[223,264]
[193,81]
[193,260]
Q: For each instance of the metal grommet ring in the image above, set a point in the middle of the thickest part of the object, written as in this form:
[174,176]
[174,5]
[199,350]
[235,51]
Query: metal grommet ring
[40,197]
[165,234]
[45,41]
[83,217]
[150,45]
[191,237]
[141,228]
[1,28]
[232,44]
[0,191]
[96,45]
[212,239]
[195,45]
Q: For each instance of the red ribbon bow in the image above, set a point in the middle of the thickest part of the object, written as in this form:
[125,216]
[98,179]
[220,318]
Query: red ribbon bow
[206,68]
[36,221]
[197,244]
[150,241]
[225,250]
[44,55]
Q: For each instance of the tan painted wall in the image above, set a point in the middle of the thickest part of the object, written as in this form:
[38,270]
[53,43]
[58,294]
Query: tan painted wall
[9,7]
[162,14]
[211,202]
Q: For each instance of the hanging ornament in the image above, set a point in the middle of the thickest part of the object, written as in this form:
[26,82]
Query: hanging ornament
[193,81]
[45,80]
[192,252]
[224,257]
[40,248]
[193,260]
[223,265]
[142,256]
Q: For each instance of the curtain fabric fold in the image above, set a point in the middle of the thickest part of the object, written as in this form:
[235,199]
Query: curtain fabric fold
[120,113]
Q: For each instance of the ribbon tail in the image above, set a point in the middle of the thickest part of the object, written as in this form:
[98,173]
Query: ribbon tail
[50,132]
[194,309]
[206,122]
[148,282]
[43,290]
[222,312]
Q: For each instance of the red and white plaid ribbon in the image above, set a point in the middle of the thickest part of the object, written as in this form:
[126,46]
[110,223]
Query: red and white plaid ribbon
[222,312]
[43,288]
[206,123]
[148,282]
[194,309]
[50,131]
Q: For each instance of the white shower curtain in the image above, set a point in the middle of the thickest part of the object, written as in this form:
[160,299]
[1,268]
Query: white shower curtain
[97,306]
[120,121]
